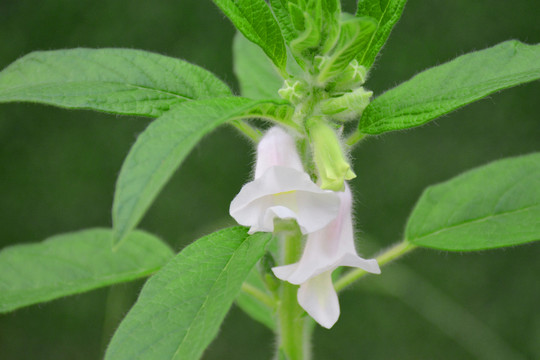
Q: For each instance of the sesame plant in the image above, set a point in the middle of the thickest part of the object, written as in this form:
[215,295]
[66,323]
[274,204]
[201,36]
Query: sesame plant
[303,68]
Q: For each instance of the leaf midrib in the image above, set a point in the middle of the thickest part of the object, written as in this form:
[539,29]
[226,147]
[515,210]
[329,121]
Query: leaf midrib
[208,296]
[471,221]
[127,275]
[368,47]
[79,83]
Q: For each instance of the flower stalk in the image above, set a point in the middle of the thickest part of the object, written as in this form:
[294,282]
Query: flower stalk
[394,252]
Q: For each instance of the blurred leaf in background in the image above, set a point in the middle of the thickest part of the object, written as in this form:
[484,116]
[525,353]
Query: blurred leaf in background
[58,169]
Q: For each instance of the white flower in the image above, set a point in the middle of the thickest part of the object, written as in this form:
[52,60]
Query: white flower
[282,189]
[325,250]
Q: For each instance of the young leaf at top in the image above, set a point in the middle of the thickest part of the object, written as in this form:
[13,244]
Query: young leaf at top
[492,206]
[181,308]
[119,81]
[164,145]
[73,263]
[387,14]
[255,20]
[442,89]
[355,34]
[309,27]
[257,75]
[281,10]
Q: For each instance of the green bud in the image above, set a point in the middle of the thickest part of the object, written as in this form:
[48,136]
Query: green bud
[294,91]
[348,106]
[332,165]
[320,61]
[352,77]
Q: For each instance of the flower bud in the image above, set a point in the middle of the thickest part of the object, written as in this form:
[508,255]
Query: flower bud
[348,106]
[332,166]
[352,77]
[293,90]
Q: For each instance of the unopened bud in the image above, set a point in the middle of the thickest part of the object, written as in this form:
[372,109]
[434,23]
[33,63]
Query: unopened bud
[348,106]
[332,165]
[352,77]
[293,90]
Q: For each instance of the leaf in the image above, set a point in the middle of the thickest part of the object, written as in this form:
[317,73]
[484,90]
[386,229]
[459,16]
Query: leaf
[257,75]
[354,35]
[442,89]
[253,307]
[75,262]
[489,207]
[181,308]
[119,81]
[164,145]
[387,14]
[280,8]
[255,20]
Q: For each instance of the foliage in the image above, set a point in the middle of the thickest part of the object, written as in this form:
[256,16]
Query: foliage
[320,57]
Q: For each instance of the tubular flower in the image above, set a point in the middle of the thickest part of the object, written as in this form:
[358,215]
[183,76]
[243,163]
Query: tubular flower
[282,189]
[325,250]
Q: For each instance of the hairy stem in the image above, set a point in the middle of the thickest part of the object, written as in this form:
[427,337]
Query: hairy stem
[248,130]
[387,256]
[293,339]
[259,295]
[354,138]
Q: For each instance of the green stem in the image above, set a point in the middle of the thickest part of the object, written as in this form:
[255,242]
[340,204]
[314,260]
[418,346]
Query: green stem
[354,138]
[248,130]
[259,295]
[293,339]
[392,253]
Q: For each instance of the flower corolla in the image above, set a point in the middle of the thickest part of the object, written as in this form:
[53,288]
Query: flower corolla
[325,250]
[282,189]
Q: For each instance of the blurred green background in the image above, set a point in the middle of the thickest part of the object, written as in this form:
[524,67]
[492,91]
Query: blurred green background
[58,169]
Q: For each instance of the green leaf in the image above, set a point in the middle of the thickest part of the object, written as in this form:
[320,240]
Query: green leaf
[331,10]
[442,89]
[354,36]
[255,20]
[257,75]
[119,81]
[281,10]
[164,145]
[181,308]
[254,307]
[387,14]
[492,206]
[309,37]
[73,263]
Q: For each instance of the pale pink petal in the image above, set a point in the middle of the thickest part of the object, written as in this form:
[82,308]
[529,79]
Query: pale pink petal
[329,248]
[277,148]
[284,193]
[318,297]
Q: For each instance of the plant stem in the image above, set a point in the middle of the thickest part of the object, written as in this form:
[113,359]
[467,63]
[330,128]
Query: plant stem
[293,339]
[392,253]
[354,138]
[248,130]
